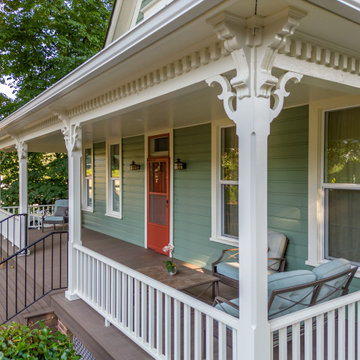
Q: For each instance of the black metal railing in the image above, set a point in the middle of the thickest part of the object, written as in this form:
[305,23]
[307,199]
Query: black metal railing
[13,234]
[25,280]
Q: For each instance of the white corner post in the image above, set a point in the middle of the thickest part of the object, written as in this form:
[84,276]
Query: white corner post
[253,44]
[73,141]
[22,150]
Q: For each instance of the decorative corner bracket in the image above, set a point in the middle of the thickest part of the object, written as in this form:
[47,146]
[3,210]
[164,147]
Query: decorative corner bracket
[280,93]
[21,148]
[253,44]
[227,96]
[71,132]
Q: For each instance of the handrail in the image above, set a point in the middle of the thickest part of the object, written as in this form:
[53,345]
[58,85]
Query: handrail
[31,277]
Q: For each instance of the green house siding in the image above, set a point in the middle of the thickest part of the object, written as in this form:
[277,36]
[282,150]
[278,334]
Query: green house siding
[192,197]
[131,227]
[288,182]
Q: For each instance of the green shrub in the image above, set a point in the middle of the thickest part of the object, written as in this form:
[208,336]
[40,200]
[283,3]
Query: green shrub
[18,341]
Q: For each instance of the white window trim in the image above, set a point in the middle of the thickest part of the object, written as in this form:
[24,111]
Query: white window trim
[109,211]
[85,207]
[216,204]
[316,236]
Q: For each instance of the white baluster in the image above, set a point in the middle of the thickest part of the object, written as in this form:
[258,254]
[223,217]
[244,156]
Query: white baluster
[177,331]
[222,341]
[341,333]
[159,322]
[320,340]
[331,335]
[187,332]
[209,338]
[351,331]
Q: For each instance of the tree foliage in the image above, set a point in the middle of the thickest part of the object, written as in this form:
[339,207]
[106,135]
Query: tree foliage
[43,40]
[47,178]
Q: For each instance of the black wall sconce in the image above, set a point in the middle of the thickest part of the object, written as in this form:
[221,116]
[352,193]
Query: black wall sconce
[179,165]
[134,166]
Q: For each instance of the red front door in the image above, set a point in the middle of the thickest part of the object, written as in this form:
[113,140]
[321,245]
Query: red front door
[158,204]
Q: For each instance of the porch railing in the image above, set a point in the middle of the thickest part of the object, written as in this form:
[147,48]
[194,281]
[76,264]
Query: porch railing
[26,279]
[165,322]
[326,331]
[13,233]
[35,213]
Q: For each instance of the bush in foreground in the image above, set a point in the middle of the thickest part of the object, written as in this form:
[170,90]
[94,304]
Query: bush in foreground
[18,341]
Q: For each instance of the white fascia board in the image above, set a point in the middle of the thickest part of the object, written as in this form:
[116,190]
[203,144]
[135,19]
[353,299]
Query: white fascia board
[172,17]
[349,9]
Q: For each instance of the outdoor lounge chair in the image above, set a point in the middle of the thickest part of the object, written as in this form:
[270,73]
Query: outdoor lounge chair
[60,215]
[291,291]
[226,268]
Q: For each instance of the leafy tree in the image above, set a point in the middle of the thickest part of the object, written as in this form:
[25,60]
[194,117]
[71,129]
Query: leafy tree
[47,178]
[43,40]
[40,42]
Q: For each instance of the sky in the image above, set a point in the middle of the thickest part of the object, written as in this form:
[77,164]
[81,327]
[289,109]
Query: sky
[7,91]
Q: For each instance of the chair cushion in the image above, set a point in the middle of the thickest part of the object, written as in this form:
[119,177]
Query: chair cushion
[328,290]
[228,308]
[57,219]
[276,244]
[284,304]
[229,269]
[62,202]
[61,211]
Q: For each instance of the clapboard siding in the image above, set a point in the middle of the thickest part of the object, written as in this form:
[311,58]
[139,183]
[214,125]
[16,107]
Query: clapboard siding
[131,227]
[288,182]
[192,197]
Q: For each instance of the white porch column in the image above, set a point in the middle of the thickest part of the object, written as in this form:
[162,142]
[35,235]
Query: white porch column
[253,44]
[22,150]
[73,142]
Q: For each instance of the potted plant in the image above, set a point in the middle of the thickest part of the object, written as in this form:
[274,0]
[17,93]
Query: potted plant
[169,264]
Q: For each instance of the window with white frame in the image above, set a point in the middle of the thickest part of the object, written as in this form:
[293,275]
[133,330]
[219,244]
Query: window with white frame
[88,198]
[114,180]
[341,184]
[225,186]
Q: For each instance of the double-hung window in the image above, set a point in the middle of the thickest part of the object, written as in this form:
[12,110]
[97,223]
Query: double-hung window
[114,180]
[225,185]
[88,198]
[341,184]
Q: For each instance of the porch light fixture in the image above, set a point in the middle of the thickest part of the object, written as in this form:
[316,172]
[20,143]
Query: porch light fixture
[179,165]
[134,166]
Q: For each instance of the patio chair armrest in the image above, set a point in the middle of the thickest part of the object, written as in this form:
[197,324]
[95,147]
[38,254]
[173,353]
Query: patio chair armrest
[222,256]
[280,261]
[220,299]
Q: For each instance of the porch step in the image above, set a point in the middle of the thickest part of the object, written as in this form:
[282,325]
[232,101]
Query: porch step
[104,343]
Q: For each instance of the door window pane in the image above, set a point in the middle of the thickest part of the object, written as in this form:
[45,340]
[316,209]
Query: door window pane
[158,209]
[342,224]
[230,210]
[342,146]
[159,146]
[158,177]
[229,154]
